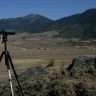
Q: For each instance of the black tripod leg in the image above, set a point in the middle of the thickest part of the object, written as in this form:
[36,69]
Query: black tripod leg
[1,56]
[10,77]
[15,74]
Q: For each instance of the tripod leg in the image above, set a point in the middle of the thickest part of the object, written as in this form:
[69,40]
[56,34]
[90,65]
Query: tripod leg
[1,56]
[15,74]
[10,80]
[9,73]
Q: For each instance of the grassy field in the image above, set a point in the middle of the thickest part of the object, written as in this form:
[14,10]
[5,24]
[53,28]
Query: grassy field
[30,49]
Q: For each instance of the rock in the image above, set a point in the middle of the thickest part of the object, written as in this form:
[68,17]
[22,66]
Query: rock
[33,72]
[82,65]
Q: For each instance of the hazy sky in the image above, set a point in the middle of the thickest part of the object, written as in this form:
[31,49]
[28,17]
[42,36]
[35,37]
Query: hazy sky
[53,9]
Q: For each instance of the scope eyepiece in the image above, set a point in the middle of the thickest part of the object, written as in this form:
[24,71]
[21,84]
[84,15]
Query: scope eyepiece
[5,34]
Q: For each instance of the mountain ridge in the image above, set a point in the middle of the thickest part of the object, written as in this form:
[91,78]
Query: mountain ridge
[28,23]
[81,25]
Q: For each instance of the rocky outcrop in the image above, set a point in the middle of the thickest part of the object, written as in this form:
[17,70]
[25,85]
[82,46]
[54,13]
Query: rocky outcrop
[82,66]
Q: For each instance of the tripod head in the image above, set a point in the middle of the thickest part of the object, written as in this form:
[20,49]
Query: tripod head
[5,35]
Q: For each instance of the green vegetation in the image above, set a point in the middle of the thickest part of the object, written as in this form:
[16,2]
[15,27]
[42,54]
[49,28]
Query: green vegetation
[81,26]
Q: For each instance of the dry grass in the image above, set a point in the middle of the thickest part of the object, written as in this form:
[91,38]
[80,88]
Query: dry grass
[30,49]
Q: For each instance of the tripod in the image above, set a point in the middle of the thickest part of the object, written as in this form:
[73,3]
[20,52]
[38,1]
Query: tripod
[8,63]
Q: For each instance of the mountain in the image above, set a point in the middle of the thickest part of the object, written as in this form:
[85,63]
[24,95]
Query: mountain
[82,25]
[29,23]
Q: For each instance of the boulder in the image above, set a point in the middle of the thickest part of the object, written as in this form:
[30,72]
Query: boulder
[82,65]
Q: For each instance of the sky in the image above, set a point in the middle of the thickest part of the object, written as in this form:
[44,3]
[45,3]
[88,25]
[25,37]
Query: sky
[53,9]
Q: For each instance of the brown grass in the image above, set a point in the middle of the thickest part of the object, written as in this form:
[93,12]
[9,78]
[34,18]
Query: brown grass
[37,49]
